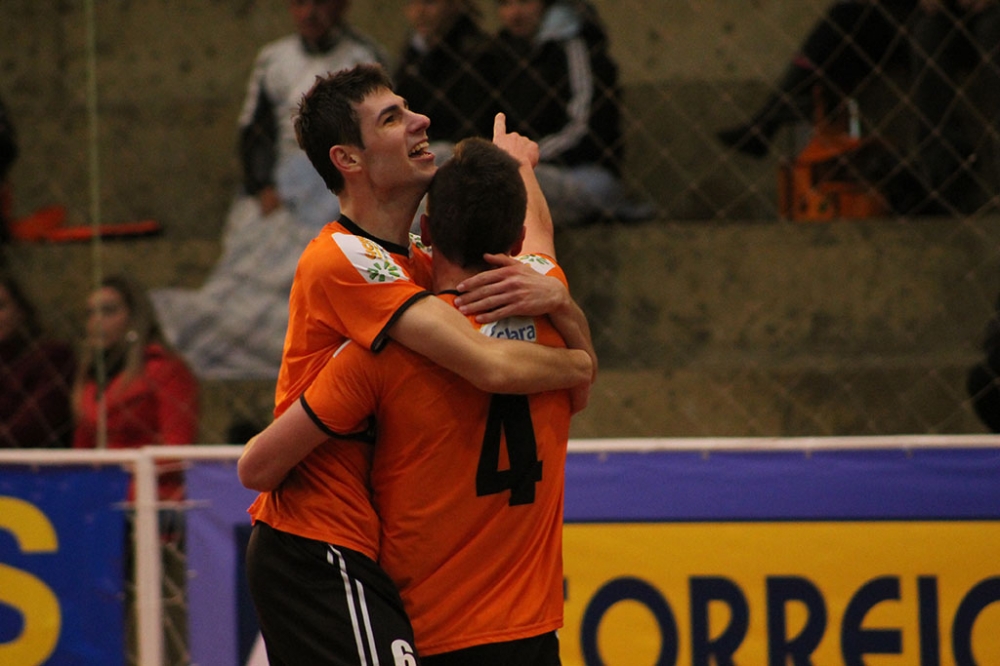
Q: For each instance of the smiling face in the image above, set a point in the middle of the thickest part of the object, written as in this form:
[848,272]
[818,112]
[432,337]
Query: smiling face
[521,18]
[395,151]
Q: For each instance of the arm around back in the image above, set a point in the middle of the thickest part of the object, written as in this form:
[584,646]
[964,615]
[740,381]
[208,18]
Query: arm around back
[436,330]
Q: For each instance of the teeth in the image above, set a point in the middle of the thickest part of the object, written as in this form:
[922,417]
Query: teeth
[419,148]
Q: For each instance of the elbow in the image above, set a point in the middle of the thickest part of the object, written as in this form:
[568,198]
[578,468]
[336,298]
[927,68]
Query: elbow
[254,476]
[492,380]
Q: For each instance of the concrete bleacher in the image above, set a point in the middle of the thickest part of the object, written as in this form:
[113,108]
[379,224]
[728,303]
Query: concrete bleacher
[736,328]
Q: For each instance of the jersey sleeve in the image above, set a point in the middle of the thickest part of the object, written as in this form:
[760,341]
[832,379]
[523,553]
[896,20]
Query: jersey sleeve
[545,265]
[343,398]
[360,288]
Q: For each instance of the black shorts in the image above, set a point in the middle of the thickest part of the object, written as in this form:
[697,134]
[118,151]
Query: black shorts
[321,604]
[536,651]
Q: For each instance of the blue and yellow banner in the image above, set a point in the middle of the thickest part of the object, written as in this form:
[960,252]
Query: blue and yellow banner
[848,557]
[61,566]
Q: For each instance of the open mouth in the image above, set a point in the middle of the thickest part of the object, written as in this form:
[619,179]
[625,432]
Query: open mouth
[419,150]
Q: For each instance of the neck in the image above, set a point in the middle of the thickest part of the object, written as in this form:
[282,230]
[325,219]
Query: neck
[447,276]
[388,217]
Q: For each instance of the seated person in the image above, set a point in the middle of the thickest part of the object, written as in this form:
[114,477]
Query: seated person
[558,85]
[843,50]
[233,326]
[35,376]
[146,392]
[441,74]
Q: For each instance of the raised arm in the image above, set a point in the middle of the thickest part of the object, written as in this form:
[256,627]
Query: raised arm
[436,330]
[538,229]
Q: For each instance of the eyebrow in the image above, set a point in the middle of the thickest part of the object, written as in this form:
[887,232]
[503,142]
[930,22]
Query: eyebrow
[392,108]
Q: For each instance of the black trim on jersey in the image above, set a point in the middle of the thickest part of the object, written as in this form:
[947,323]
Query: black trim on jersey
[378,344]
[367,435]
[394,248]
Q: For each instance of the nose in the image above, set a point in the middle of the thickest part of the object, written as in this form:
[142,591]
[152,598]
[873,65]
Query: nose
[419,122]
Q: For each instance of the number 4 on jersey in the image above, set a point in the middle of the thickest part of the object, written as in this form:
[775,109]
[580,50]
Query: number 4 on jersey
[510,415]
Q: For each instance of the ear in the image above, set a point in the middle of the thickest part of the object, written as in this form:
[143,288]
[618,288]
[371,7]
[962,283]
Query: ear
[515,249]
[425,230]
[345,158]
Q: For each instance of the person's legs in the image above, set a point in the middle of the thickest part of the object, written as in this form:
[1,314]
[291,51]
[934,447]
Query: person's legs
[321,604]
[587,193]
[830,56]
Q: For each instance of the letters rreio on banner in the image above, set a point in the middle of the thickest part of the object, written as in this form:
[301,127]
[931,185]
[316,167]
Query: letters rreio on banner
[777,593]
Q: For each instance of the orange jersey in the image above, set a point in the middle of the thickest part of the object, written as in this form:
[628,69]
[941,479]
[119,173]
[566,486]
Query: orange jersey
[469,487]
[346,285]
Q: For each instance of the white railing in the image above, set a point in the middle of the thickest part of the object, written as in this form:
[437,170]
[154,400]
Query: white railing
[142,464]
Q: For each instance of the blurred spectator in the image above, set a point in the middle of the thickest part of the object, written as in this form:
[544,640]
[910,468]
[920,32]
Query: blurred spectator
[559,86]
[35,376]
[441,72]
[233,327]
[132,387]
[846,47]
[955,42]
[8,154]
[127,375]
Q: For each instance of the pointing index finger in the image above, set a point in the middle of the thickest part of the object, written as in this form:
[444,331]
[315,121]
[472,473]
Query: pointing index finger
[499,126]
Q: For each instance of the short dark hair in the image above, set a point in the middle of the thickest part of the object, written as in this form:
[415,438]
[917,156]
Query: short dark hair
[476,203]
[327,116]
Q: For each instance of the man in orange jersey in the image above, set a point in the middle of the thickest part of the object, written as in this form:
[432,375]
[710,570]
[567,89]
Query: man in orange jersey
[474,543]
[311,558]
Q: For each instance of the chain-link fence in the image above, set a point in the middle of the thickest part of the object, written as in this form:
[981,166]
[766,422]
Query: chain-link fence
[819,259]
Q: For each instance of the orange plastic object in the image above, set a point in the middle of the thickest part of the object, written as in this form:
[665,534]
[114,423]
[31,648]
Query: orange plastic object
[106,231]
[819,184]
[38,225]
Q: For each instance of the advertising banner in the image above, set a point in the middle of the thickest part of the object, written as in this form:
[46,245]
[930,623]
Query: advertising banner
[839,557]
[61,565]
[222,625]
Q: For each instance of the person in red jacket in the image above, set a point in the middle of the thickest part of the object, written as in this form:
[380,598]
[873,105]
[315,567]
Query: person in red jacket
[144,394]
[149,394]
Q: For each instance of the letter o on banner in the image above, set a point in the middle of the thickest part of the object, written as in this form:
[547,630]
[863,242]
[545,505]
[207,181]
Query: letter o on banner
[978,598]
[628,589]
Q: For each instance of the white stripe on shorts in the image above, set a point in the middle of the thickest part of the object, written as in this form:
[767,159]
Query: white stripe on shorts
[334,557]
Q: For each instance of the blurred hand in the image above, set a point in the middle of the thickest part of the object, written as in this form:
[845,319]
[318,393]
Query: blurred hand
[269,200]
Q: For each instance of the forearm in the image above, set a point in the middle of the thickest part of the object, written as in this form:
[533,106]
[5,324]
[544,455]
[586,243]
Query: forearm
[572,324]
[538,228]
[270,455]
[436,330]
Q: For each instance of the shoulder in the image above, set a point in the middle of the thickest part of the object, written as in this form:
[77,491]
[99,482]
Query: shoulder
[278,48]
[344,256]
[163,363]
